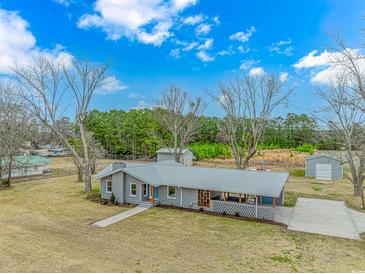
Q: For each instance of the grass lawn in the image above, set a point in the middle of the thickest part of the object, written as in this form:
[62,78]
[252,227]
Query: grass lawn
[44,227]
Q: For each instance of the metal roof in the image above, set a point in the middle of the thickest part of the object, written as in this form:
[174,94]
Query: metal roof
[107,171]
[29,160]
[319,155]
[261,183]
[171,150]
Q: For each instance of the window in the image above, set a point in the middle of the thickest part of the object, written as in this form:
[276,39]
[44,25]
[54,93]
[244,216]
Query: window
[145,190]
[133,190]
[109,186]
[171,192]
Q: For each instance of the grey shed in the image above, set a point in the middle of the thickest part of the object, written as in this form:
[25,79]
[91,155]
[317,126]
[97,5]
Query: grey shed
[323,166]
[186,157]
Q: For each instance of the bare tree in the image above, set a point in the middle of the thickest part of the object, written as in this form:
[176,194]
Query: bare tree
[248,104]
[94,149]
[345,99]
[45,84]
[13,129]
[343,116]
[178,114]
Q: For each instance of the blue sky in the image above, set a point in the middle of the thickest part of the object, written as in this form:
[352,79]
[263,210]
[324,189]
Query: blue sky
[194,44]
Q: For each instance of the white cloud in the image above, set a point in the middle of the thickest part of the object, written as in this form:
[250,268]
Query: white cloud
[282,47]
[190,46]
[247,64]
[207,44]
[175,53]
[18,44]
[242,49]
[142,105]
[243,37]
[323,67]
[229,51]
[136,95]
[257,71]
[204,56]
[148,21]
[65,3]
[203,29]
[284,76]
[313,59]
[193,20]
[111,85]
[216,20]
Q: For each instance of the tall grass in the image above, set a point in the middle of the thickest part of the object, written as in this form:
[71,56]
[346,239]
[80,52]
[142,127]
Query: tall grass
[210,151]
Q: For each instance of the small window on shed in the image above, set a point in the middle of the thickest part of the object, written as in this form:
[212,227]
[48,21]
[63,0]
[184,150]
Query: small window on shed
[109,186]
[171,192]
[133,190]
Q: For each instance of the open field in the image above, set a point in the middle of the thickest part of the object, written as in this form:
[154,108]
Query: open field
[44,226]
[284,158]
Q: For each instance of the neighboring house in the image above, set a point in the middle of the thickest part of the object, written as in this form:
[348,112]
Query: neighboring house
[28,165]
[246,193]
[186,157]
[323,166]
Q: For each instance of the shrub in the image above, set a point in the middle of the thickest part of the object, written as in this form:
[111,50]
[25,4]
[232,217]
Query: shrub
[112,198]
[305,148]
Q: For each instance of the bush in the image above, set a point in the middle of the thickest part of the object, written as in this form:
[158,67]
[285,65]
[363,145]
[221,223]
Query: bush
[305,148]
[112,198]
[210,151]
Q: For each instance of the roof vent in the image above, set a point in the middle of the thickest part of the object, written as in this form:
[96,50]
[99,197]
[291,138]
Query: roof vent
[119,165]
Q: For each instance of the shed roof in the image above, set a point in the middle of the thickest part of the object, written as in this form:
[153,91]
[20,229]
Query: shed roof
[170,150]
[29,160]
[320,155]
[261,183]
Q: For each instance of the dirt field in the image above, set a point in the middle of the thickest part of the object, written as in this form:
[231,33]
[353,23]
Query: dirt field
[283,158]
[44,227]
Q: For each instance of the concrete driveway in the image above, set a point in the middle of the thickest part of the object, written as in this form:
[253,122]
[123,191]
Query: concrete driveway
[324,217]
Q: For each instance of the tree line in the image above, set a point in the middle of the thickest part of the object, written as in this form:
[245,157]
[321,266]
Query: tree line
[137,132]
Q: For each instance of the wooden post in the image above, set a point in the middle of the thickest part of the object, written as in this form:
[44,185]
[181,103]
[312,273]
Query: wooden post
[256,207]
[273,201]
[240,199]
[153,194]
[224,196]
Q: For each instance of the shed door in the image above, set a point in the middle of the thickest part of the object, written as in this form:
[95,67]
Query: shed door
[324,171]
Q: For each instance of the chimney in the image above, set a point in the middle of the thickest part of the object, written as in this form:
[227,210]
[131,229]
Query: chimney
[118,165]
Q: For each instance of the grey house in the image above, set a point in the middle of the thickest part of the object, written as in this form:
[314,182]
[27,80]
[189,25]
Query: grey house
[246,193]
[323,166]
[186,157]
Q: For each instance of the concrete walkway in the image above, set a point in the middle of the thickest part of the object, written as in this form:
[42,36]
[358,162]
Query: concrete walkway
[324,217]
[121,216]
[283,214]
[359,219]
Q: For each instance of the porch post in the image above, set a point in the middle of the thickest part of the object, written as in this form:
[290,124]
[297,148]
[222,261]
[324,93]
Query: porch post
[224,196]
[273,202]
[153,194]
[256,206]
[240,199]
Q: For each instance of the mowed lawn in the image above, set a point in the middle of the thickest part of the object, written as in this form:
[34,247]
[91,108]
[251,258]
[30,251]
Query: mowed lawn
[45,227]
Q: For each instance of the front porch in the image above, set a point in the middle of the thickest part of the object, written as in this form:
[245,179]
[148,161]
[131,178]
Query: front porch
[149,195]
[238,204]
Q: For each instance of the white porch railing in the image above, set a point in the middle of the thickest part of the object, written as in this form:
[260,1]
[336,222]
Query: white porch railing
[244,210]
